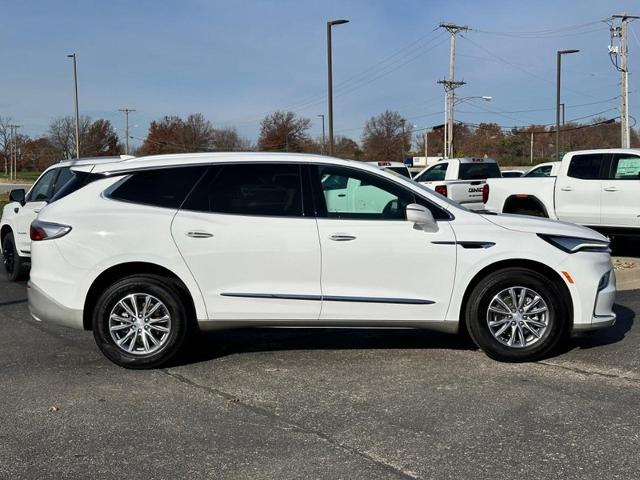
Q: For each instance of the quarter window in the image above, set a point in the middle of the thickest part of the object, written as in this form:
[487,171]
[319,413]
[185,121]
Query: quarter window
[364,196]
[626,167]
[165,187]
[41,191]
[586,167]
[250,189]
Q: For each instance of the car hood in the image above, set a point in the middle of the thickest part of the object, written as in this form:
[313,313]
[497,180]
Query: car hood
[523,223]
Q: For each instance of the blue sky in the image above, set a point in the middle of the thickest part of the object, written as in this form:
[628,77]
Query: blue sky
[235,61]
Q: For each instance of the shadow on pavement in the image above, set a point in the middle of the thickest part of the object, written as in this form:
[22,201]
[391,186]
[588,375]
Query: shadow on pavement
[625,247]
[606,336]
[212,345]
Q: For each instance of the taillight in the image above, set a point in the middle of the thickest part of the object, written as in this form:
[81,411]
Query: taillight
[442,190]
[485,193]
[47,230]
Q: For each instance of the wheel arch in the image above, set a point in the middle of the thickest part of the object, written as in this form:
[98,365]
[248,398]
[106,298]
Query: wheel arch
[524,200]
[517,263]
[122,270]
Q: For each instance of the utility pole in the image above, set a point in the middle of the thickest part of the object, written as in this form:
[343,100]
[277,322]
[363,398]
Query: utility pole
[324,141]
[426,144]
[623,50]
[126,112]
[13,152]
[330,79]
[451,84]
[75,103]
[559,54]
[531,155]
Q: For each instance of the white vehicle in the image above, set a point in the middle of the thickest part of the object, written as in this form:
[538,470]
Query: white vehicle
[547,169]
[23,208]
[460,179]
[396,167]
[512,173]
[154,247]
[596,188]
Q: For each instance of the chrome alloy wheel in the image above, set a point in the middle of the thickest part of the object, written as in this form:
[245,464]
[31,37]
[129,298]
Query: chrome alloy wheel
[139,324]
[518,317]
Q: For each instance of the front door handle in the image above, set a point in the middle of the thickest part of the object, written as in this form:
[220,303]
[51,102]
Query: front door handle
[199,234]
[341,237]
[566,189]
[610,189]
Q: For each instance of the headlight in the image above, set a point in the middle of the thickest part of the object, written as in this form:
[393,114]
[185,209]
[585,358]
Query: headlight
[576,244]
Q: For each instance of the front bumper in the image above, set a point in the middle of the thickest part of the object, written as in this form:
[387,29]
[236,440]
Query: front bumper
[45,309]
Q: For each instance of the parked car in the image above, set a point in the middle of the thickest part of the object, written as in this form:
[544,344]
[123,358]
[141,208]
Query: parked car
[23,207]
[512,173]
[460,179]
[548,169]
[396,167]
[596,188]
[152,248]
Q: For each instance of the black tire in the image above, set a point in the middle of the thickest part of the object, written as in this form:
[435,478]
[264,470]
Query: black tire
[15,266]
[172,299]
[556,319]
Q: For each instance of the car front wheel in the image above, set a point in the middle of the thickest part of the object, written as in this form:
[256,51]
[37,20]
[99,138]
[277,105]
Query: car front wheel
[140,322]
[517,315]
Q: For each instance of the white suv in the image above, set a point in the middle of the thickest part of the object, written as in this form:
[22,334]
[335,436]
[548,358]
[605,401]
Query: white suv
[152,248]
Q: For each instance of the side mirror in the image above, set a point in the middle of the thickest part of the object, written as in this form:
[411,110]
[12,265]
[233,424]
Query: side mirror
[422,218]
[17,195]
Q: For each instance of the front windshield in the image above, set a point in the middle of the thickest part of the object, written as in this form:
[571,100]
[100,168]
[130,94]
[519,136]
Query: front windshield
[440,197]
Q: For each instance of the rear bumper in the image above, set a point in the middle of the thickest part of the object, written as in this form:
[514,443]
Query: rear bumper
[45,309]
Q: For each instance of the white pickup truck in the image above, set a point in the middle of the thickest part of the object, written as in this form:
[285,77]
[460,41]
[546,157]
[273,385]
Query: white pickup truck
[460,179]
[595,188]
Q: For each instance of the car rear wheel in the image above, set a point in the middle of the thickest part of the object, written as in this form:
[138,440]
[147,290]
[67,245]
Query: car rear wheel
[516,315]
[140,322]
[15,266]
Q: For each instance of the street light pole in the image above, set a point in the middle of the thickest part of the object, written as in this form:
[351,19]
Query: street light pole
[126,112]
[324,141]
[75,103]
[558,75]
[330,79]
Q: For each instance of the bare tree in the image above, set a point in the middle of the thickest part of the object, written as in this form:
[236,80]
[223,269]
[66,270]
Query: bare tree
[228,139]
[284,131]
[62,135]
[386,137]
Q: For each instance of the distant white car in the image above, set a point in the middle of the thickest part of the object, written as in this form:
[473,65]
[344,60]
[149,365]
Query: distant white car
[23,208]
[460,179]
[395,167]
[548,169]
[512,173]
[151,248]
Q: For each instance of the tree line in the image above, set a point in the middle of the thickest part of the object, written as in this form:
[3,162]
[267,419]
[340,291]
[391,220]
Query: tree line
[385,137]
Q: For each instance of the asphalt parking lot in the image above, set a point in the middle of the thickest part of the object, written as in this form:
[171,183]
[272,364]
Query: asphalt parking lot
[317,403]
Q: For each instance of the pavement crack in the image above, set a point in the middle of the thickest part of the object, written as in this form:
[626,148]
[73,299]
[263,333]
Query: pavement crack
[292,426]
[594,373]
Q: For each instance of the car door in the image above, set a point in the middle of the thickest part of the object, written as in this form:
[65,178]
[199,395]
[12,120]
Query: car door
[436,173]
[621,192]
[375,264]
[578,190]
[249,243]
[37,198]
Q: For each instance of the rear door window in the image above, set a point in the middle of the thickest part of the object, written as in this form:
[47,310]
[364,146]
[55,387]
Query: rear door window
[625,167]
[63,177]
[479,171]
[586,167]
[166,187]
[250,189]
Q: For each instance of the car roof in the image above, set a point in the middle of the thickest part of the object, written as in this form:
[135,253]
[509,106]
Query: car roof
[184,159]
[76,162]
[475,160]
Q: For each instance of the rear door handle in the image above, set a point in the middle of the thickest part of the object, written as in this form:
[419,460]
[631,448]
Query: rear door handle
[199,234]
[610,189]
[566,189]
[341,237]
